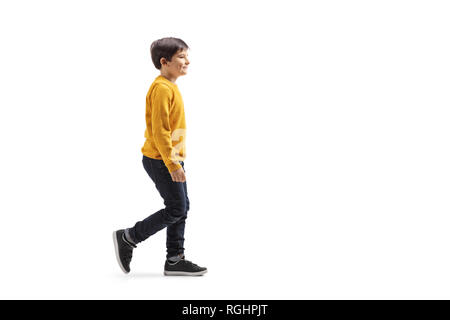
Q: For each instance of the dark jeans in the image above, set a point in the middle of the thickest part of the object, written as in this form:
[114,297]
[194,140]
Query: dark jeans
[173,216]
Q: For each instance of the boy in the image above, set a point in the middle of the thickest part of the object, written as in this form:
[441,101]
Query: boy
[163,155]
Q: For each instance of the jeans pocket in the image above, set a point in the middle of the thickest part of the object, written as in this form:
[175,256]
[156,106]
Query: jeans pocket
[164,171]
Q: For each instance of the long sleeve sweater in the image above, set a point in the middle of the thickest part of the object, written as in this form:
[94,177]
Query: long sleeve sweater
[165,131]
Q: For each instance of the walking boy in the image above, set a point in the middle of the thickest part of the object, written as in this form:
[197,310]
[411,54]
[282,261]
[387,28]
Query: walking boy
[163,159]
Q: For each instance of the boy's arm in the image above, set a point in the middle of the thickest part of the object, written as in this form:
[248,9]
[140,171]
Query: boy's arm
[161,125]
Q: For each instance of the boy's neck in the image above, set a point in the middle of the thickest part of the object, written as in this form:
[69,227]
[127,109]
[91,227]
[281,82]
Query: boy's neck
[169,77]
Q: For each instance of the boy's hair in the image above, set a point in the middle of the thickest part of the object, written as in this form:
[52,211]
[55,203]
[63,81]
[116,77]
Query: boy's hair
[165,48]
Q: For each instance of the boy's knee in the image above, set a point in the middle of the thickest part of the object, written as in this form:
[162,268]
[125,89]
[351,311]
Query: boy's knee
[175,213]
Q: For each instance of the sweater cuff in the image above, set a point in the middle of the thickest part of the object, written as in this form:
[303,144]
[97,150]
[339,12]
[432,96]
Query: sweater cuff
[173,166]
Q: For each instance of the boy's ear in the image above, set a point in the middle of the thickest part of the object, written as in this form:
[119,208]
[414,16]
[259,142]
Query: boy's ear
[163,61]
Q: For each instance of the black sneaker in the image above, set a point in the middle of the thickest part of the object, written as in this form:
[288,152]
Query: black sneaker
[183,268]
[124,250]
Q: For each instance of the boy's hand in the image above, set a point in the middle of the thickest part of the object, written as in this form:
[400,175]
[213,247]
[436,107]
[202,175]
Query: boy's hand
[178,175]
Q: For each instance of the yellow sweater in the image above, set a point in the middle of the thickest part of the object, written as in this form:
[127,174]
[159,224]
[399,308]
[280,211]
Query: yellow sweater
[166,125]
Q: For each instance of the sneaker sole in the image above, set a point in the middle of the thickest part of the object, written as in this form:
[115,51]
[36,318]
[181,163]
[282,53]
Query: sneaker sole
[116,249]
[183,273]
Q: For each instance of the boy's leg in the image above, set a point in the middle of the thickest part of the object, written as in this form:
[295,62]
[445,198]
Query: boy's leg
[175,232]
[174,197]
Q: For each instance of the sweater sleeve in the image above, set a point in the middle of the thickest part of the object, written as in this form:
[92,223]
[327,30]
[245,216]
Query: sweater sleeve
[161,97]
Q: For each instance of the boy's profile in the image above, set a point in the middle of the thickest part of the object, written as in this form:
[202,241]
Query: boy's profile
[163,159]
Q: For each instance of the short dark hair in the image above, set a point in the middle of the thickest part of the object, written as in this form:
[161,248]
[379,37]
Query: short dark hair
[165,48]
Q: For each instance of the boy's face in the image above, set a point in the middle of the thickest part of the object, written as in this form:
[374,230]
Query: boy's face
[179,64]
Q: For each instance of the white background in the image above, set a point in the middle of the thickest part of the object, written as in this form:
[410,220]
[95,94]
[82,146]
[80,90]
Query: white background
[317,148]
